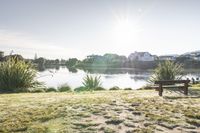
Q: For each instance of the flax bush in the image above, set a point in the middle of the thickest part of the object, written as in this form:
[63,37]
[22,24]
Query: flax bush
[17,76]
[92,83]
[167,70]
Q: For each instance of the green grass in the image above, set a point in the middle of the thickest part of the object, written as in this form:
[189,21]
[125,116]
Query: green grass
[196,85]
[98,111]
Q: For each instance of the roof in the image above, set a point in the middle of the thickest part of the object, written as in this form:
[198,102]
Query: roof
[139,53]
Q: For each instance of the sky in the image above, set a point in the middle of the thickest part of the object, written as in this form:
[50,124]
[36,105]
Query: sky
[77,28]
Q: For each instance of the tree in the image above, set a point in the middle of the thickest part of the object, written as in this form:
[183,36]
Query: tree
[71,62]
[40,61]
[15,57]
[57,61]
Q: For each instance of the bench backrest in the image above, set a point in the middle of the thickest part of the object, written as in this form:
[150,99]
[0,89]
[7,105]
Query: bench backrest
[171,81]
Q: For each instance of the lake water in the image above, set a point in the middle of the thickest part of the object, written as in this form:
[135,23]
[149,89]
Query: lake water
[123,78]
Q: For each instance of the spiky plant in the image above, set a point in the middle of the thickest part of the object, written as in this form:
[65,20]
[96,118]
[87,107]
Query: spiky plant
[91,83]
[167,70]
[16,76]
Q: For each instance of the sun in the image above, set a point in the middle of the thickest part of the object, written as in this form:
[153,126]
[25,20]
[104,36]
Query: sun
[125,31]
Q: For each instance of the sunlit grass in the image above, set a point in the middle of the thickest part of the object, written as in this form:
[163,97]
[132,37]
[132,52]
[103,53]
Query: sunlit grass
[98,111]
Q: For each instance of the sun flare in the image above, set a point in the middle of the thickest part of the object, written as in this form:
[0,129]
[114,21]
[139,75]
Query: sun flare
[126,31]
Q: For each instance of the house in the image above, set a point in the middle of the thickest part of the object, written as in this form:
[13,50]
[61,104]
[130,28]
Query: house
[192,55]
[167,57]
[141,56]
[197,57]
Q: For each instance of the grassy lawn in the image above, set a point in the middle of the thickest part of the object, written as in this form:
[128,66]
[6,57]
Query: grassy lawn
[100,111]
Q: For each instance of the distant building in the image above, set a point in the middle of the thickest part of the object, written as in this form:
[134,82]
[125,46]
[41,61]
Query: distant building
[167,57]
[197,57]
[141,56]
[155,57]
[192,55]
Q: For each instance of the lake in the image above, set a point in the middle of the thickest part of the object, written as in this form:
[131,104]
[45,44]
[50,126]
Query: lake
[123,77]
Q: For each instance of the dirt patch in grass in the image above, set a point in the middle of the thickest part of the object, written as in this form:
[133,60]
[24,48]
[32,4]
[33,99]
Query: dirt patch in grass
[100,111]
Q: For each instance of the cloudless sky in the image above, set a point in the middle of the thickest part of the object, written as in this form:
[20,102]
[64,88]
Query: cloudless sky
[76,28]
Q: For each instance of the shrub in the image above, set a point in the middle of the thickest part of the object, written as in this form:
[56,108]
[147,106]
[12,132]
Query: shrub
[17,76]
[81,88]
[99,89]
[64,88]
[146,87]
[167,70]
[37,90]
[127,88]
[91,82]
[115,88]
[51,89]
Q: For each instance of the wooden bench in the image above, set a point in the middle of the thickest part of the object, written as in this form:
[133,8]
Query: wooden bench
[172,84]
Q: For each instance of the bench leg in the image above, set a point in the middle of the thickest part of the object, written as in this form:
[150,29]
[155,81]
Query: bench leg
[160,90]
[186,89]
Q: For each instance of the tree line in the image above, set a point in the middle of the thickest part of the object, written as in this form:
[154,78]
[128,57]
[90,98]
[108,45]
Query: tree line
[117,61]
[102,61]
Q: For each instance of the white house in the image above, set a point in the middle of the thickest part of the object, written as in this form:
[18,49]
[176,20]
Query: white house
[141,56]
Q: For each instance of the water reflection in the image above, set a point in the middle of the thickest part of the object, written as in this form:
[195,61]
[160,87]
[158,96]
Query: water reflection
[42,68]
[116,70]
[73,70]
[140,77]
[108,76]
[124,78]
